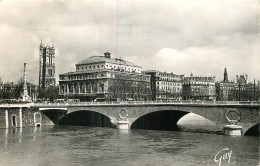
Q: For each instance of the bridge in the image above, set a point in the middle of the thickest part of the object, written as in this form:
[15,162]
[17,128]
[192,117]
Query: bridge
[151,114]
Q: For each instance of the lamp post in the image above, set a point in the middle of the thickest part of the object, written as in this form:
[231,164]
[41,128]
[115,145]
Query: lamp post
[239,91]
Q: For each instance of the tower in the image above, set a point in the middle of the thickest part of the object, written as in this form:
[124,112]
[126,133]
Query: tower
[46,66]
[225,75]
[25,95]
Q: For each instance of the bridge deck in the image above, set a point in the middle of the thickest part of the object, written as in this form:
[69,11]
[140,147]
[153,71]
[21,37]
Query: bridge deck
[195,103]
[182,102]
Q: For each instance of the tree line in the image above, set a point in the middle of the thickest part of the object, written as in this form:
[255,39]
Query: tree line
[14,90]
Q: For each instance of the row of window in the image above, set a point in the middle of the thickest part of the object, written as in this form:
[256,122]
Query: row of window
[206,79]
[168,88]
[107,66]
[202,87]
[169,83]
[198,83]
[169,79]
[90,67]
[228,88]
[169,75]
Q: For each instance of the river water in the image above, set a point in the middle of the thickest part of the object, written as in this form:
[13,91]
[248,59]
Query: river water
[82,145]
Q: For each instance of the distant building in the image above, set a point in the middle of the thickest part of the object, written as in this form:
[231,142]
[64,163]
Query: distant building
[165,86]
[46,66]
[199,88]
[225,90]
[99,78]
[240,89]
[244,90]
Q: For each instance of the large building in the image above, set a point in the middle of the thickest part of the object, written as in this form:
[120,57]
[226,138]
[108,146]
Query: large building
[165,86]
[199,88]
[99,78]
[46,66]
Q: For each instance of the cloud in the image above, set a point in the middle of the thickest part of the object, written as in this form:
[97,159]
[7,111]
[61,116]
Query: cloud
[182,37]
[203,61]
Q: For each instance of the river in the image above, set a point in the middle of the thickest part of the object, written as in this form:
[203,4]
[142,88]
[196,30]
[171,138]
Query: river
[82,145]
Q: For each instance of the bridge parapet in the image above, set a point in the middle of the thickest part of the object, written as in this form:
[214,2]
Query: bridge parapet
[181,102]
[27,105]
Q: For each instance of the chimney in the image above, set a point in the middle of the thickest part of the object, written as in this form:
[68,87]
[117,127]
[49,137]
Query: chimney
[107,54]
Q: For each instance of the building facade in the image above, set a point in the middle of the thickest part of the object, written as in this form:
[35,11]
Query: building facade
[102,78]
[244,90]
[165,86]
[238,90]
[46,66]
[199,88]
[226,89]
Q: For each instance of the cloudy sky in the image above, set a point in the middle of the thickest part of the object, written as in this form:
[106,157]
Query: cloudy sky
[179,36]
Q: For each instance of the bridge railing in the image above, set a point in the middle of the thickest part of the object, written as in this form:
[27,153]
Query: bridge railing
[151,102]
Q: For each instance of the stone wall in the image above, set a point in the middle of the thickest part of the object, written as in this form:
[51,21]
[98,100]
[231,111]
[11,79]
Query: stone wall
[22,117]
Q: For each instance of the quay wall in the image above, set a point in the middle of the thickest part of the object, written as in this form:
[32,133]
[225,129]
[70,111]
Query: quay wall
[22,117]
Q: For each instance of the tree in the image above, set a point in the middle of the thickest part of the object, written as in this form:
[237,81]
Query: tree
[1,88]
[18,88]
[51,93]
[126,86]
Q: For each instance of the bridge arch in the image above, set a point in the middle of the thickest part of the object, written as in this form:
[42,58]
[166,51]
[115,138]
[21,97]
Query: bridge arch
[159,120]
[54,114]
[86,118]
[166,119]
[253,130]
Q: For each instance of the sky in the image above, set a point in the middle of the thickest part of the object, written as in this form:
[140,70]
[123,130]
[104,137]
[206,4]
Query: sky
[180,36]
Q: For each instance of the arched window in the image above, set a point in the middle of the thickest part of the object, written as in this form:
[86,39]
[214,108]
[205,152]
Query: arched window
[37,117]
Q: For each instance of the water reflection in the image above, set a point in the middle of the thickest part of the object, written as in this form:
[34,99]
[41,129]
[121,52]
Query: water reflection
[79,145]
[36,132]
[6,137]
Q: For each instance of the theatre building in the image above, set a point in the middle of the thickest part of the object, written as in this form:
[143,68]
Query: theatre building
[102,78]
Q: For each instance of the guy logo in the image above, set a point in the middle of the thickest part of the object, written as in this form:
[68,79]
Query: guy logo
[223,155]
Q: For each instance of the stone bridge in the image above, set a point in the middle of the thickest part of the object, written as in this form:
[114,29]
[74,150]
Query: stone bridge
[128,114]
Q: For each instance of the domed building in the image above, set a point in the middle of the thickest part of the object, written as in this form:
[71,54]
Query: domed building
[102,78]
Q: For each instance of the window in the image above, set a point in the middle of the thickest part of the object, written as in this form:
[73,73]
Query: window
[37,117]
[14,121]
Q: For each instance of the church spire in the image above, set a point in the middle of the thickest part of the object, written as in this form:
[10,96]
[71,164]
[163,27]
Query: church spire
[225,75]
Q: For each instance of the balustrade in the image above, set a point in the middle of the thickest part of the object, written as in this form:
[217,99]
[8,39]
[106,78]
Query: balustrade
[181,102]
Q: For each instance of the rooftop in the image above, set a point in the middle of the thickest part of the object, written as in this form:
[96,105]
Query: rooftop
[103,59]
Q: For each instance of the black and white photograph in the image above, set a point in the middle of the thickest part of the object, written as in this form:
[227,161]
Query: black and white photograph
[129,82]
